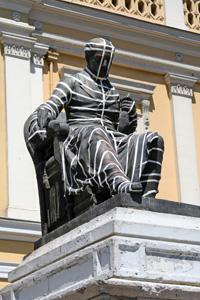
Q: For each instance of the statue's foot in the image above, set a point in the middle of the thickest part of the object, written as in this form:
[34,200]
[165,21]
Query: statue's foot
[129,187]
[150,194]
[133,188]
[137,197]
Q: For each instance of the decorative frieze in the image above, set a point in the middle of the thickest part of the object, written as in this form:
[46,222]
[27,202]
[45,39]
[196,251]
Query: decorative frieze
[19,51]
[26,53]
[38,60]
[150,10]
[192,13]
[181,90]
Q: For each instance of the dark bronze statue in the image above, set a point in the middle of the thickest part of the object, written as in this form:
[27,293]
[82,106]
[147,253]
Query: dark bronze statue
[91,151]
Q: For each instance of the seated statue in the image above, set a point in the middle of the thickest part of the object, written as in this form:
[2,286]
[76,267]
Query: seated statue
[102,151]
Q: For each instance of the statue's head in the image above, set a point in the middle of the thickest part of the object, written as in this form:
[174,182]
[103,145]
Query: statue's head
[99,54]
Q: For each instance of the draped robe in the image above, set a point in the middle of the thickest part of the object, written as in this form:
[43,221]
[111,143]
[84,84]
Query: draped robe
[102,149]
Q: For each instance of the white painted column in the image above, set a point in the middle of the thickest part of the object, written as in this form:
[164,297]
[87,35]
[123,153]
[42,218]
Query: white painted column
[174,14]
[181,92]
[24,92]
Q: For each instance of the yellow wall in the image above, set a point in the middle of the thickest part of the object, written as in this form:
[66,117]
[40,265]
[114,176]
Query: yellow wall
[161,121]
[3,283]
[196,115]
[3,148]
[13,251]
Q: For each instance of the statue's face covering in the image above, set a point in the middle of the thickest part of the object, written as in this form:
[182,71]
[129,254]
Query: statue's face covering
[99,55]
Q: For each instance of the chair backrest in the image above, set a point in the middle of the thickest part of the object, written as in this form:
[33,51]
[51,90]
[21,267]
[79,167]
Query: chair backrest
[38,151]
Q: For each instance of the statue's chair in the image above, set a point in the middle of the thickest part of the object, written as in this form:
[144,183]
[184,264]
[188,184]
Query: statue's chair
[46,150]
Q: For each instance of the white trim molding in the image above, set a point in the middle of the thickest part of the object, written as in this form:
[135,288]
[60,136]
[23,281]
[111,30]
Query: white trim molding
[181,93]
[5,268]
[19,230]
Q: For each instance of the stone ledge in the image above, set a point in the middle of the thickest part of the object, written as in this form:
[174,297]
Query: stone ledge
[123,200]
[20,230]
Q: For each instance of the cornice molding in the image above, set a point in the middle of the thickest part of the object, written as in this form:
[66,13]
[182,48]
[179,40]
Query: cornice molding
[180,85]
[18,42]
[95,21]
[15,36]
[139,90]
[92,21]
[5,268]
[9,26]
[19,230]
[23,6]
[122,57]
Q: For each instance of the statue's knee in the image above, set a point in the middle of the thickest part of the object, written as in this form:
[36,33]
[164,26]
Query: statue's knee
[160,142]
[156,141]
[97,133]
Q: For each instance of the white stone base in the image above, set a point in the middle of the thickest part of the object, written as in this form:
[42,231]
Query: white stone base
[122,254]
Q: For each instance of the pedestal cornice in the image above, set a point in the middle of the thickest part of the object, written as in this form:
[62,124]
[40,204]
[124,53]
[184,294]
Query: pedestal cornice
[127,251]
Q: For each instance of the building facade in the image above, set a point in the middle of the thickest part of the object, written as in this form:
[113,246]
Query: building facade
[156,61]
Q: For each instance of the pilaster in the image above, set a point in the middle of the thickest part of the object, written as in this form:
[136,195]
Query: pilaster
[23,59]
[181,93]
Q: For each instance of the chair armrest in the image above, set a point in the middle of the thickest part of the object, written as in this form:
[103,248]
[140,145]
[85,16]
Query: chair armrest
[57,132]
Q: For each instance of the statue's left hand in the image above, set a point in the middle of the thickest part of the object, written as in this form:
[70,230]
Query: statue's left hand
[44,117]
[126,103]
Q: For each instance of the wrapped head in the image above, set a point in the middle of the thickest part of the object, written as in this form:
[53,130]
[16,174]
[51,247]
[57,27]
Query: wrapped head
[99,53]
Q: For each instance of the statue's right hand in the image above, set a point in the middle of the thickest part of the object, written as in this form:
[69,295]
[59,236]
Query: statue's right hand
[44,118]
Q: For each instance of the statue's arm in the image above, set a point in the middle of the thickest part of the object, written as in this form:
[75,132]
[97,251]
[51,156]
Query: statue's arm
[59,98]
[49,110]
[128,115]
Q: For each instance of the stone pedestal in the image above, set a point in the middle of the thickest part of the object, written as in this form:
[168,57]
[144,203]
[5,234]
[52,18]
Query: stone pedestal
[120,250]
